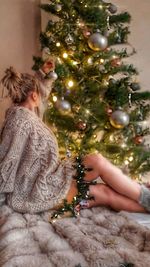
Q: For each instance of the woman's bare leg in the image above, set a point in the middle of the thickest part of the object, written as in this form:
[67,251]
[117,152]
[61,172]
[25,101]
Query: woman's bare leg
[117,180]
[112,176]
[105,196]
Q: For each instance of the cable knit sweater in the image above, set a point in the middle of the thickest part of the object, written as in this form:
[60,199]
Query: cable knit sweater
[31,173]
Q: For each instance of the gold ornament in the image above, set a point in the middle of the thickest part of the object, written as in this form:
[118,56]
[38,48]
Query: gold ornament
[119,119]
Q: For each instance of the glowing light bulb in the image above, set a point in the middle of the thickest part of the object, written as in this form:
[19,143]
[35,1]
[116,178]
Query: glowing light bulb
[123,145]
[58,44]
[90,61]
[65,55]
[87,111]
[54,98]
[75,63]
[102,61]
[131,158]
[100,6]
[70,83]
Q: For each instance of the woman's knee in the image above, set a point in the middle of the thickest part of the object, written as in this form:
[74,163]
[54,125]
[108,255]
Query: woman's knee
[101,193]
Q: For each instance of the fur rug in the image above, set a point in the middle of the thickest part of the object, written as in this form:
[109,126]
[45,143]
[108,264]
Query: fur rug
[98,237]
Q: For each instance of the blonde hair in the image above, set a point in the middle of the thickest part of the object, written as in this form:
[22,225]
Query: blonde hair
[19,85]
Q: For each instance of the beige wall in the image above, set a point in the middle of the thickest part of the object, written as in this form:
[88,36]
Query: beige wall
[19,31]
[139,36]
[20,27]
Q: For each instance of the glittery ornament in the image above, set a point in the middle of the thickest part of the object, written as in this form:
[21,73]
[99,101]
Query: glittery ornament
[97,42]
[119,119]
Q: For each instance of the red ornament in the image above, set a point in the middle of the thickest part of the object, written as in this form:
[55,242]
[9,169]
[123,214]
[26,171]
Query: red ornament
[138,140]
[81,125]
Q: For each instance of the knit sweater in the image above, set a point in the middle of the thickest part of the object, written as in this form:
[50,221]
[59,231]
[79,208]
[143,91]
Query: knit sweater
[31,173]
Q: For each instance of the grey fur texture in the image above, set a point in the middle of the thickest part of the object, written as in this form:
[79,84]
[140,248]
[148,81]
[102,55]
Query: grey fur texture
[97,238]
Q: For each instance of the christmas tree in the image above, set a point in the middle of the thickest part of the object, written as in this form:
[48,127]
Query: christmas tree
[96,103]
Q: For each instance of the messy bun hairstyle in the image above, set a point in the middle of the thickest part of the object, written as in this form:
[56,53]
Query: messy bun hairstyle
[19,85]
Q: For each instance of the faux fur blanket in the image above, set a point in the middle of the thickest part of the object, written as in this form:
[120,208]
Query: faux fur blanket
[98,237]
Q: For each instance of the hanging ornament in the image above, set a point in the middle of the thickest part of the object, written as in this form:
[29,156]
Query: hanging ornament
[112,9]
[63,106]
[135,86]
[81,125]
[119,119]
[138,140]
[58,7]
[52,75]
[45,53]
[116,62]
[69,39]
[97,42]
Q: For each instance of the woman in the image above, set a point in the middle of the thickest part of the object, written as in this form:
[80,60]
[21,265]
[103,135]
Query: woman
[31,174]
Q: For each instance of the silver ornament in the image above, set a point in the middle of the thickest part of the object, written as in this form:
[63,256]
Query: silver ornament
[119,119]
[112,9]
[63,106]
[52,75]
[97,42]
[58,7]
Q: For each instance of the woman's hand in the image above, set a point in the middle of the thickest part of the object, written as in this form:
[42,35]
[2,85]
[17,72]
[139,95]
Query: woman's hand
[92,166]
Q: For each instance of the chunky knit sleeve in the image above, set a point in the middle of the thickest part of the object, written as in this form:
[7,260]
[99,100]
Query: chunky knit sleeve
[12,142]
